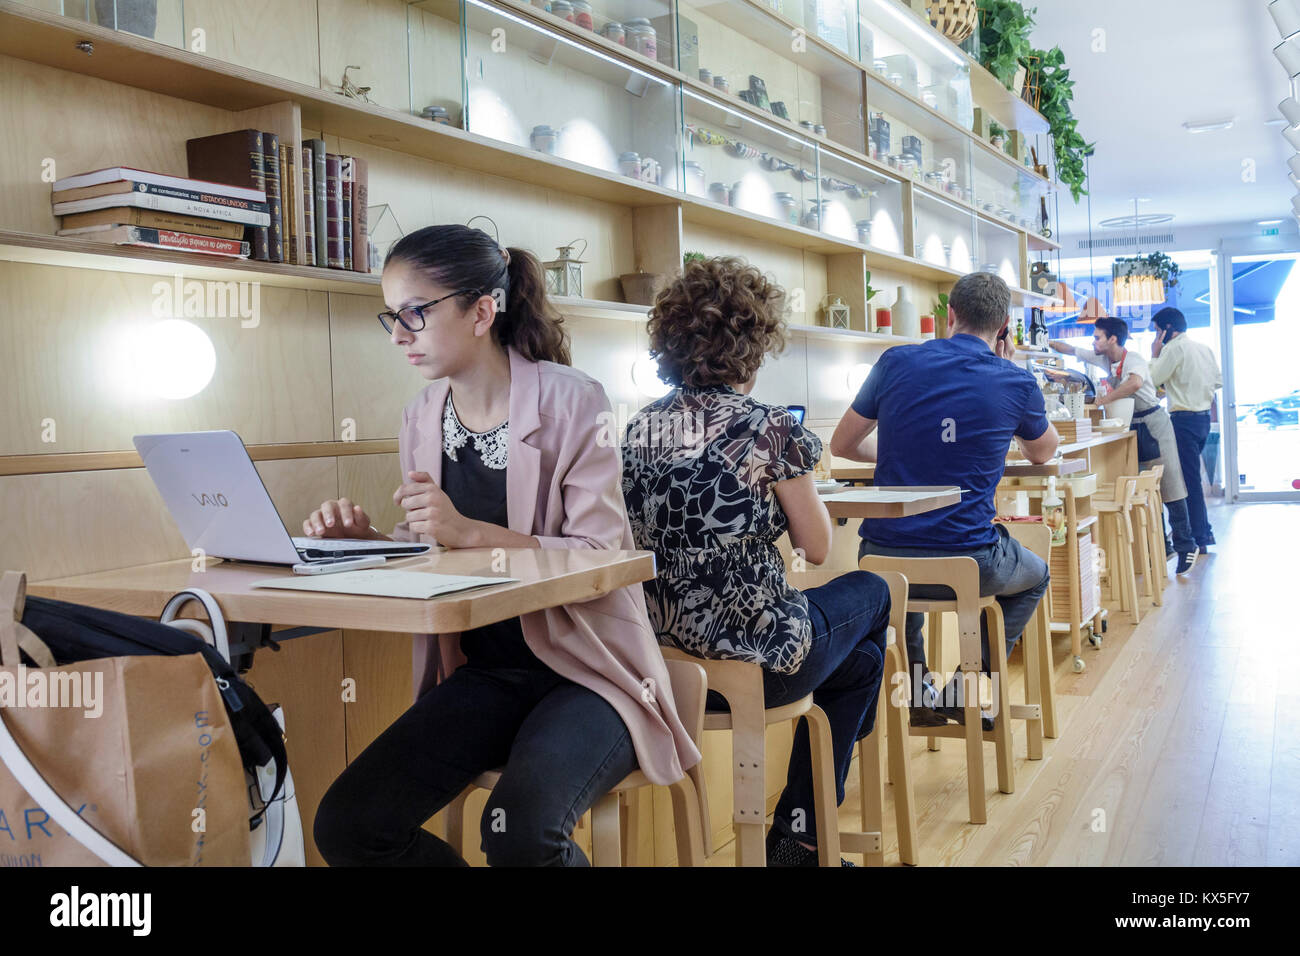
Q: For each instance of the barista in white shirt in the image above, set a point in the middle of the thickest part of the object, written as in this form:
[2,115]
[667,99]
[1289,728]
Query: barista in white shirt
[1190,375]
[1129,376]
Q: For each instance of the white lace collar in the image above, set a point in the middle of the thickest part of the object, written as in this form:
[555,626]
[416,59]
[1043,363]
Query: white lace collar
[492,446]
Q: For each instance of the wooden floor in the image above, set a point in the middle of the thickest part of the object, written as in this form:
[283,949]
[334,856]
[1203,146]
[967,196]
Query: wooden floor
[1179,745]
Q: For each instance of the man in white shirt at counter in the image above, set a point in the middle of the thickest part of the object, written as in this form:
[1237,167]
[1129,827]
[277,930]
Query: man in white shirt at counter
[1190,375]
[1129,376]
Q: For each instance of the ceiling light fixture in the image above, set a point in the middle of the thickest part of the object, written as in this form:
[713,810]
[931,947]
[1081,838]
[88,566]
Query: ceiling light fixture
[1228,123]
[1295,204]
[1270,222]
[1286,14]
[1294,163]
[1292,135]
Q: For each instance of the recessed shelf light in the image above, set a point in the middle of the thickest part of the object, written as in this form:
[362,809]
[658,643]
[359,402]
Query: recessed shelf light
[1210,127]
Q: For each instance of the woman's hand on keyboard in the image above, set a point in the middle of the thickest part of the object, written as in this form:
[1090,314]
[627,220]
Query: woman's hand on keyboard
[338,519]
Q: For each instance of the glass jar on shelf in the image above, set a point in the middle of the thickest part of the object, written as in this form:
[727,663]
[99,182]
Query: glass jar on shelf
[642,37]
[582,14]
[562,9]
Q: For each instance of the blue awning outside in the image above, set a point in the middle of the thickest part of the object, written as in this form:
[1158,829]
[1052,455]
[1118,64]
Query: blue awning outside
[1255,287]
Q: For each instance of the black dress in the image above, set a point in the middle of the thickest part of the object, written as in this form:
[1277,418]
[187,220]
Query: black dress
[474,478]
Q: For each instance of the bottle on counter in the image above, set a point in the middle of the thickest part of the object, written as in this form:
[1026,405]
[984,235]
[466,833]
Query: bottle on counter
[1054,513]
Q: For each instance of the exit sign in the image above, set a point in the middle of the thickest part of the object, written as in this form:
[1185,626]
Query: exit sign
[1270,231]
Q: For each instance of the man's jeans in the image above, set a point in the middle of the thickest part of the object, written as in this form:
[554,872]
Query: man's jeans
[1191,429]
[1017,576]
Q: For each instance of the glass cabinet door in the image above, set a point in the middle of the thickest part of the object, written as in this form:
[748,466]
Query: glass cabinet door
[859,203]
[753,51]
[999,252]
[898,49]
[161,20]
[534,87]
[943,232]
[734,160]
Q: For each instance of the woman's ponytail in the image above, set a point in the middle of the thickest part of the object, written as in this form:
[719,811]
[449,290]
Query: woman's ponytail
[530,322]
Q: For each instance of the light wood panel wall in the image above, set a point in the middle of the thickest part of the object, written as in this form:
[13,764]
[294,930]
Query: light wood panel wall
[278,38]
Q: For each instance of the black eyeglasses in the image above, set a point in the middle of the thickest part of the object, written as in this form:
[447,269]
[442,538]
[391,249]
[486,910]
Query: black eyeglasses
[412,317]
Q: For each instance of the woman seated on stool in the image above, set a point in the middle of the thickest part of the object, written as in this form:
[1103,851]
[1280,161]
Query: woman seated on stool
[712,478]
[500,451]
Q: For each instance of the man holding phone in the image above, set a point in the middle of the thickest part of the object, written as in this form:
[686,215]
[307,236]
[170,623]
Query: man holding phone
[1190,375]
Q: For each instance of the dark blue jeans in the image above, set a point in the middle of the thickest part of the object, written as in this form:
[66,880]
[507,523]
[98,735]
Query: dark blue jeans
[1191,429]
[562,747]
[1017,576]
[843,670]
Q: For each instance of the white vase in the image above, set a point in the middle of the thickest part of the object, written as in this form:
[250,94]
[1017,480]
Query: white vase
[906,320]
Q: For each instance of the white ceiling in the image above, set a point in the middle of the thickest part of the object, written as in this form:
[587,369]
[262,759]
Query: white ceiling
[1167,62]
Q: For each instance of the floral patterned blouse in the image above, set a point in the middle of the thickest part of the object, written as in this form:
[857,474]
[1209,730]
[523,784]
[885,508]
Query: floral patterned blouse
[698,471]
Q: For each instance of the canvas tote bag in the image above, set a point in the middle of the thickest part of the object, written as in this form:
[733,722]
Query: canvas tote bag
[110,761]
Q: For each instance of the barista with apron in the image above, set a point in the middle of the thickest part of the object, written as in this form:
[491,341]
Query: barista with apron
[1128,375]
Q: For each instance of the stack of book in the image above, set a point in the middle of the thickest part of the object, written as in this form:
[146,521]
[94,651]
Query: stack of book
[331,205]
[135,207]
[334,195]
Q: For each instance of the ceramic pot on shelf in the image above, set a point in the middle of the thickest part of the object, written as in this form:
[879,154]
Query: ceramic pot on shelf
[907,321]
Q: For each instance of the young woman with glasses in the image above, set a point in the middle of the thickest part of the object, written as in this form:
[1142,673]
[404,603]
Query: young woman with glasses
[501,450]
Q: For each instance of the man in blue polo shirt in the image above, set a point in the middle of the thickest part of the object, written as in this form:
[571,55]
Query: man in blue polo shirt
[944,413]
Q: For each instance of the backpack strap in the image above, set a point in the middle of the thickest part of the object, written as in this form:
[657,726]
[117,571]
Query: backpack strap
[13,633]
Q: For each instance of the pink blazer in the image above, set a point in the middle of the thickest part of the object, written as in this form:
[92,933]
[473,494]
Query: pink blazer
[564,487]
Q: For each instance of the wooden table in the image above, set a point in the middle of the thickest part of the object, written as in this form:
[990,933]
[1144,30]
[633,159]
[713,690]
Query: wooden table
[882,502]
[547,577]
[1018,468]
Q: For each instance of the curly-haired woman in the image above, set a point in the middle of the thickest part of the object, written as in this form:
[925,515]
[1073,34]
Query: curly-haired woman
[711,479]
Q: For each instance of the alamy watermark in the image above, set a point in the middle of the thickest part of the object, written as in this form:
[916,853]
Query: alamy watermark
[41,688]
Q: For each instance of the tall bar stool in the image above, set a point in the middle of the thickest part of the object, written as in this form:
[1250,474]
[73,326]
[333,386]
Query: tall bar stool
[961,574]
[1040,669]
[891,722]
[690,804]
[741,684]
[1115,518]
[1152,549]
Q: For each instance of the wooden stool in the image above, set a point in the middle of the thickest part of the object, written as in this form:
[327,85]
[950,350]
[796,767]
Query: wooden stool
[1115,518]
[891,722]
[961,574]
[741,684]
[1152,550]
[1040,670]
[690,806]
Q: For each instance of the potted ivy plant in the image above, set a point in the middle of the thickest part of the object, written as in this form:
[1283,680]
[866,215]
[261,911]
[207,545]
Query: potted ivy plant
[1157,265]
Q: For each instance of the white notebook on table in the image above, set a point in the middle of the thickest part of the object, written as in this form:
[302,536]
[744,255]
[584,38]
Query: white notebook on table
[383,583]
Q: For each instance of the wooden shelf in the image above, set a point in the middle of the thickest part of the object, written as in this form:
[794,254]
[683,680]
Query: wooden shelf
[1025,297]
[50,39]
[874,338]
[113,460]
[73,252]
[1039,243]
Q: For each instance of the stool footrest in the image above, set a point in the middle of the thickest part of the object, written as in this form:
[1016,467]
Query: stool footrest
[1026,712]
[854,842]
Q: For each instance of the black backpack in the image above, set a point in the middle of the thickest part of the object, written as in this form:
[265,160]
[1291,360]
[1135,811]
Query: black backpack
[74,632]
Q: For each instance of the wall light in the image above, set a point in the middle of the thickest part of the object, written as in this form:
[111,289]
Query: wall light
[1290,108]
[1295,204]
[1286,14]
[174,359]
[645,376]
[1294,163]
[1288,54]
[1292,135]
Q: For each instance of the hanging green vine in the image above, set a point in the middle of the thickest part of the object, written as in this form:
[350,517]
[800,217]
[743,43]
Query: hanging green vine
[1004,49]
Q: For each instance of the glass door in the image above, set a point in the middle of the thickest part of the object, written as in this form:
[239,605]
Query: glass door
[1260,302]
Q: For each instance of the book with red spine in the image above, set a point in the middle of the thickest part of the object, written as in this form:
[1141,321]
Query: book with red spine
[333,211]
[360,219]
[166,239]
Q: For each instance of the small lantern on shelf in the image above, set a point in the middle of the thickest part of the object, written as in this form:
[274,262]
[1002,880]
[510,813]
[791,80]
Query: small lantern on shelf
[836,312]
[564,274]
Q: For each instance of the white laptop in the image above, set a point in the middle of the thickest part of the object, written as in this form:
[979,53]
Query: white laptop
[218,501]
